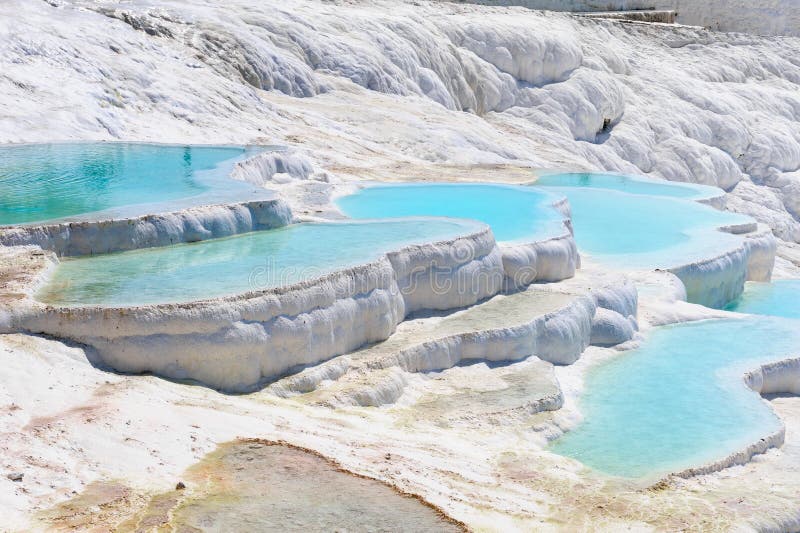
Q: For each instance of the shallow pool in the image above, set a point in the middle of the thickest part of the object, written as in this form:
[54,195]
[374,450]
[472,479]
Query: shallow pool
[248,486]
[679,400]
[514,213]
[642,223]
[619,221]
[629,184]
[779,298]
[46,182]
[239,264]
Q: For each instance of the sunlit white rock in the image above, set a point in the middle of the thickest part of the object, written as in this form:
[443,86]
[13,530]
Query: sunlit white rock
[543,90]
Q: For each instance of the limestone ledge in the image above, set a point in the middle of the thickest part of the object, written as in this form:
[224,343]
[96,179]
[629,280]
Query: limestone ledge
[551,259]
[116,235]
[716,281]
[780,377]
[236,343]
[557,332]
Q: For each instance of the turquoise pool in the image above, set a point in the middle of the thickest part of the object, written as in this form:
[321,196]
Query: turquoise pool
[679,400]
[47,182]
[239,264]
[779,298]
[620,221]
[514,213]
[641,223]
[629,184]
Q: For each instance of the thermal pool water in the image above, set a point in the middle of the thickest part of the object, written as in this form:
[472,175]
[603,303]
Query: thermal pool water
[621,221]
[629,184]
[47,182]
[239,264]
[680,400]
[514,213]
[639,223]
[779,298]
[260,486]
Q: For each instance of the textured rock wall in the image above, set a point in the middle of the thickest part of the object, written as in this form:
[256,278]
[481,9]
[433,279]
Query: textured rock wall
[236,343]
[540,89]
[716,281]
[190,225]
[766,17]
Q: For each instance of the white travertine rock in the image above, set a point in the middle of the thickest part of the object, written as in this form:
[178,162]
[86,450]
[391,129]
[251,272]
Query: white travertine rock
[619,296]
[264,167]
[780,377]
[549,260]
[237,342]
[536,58]
[610,328]
[234,343]
[542,89]
[716,281]
[761,246]
[551,322]
[189,225]
[768,17]
[559,337]
[385,387]
[774,440]
[436,277]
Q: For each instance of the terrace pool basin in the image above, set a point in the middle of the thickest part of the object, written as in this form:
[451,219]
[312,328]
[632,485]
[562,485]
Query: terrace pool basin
[779,298]
[80,181]
[630,184]
[238,264]
[679,401]
[641,223]
[619,221]
[514,213]
[249,486]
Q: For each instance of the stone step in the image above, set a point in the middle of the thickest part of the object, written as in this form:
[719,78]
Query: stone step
[661,16]
[554,322]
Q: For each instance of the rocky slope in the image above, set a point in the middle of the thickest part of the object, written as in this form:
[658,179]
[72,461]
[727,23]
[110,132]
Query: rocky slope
[416,90]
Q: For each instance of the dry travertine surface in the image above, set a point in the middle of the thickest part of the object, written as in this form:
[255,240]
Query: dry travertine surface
[770,17]
[394,91]
[74,429]
[252,484]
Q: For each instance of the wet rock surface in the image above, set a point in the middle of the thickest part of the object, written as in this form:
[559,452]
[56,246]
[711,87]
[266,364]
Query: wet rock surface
[250,485]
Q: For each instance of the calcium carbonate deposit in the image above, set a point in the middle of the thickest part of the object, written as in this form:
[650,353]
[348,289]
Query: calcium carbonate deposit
[399,266]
